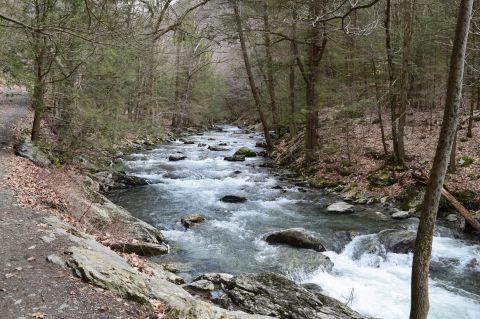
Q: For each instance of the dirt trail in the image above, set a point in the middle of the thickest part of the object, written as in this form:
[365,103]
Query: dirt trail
[30,286]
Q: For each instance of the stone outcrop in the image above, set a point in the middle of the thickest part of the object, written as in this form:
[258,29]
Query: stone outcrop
[141,248]
[33,153]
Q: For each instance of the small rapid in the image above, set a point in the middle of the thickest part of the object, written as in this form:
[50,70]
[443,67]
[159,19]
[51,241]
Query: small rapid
[374,282]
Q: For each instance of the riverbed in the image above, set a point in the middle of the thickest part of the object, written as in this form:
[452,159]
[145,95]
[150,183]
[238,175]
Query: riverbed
[372,282]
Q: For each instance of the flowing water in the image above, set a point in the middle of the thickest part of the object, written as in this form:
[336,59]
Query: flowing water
[230,240]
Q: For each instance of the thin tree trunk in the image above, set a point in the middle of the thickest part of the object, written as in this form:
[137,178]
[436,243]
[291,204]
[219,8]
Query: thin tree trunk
[409,11]
[315,54]
[251,79]
[470,117]
[291,75]
[379,108]
[391,80]
[423,244]
[270,79]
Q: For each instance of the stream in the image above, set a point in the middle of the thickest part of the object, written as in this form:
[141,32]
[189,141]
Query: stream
[374,283]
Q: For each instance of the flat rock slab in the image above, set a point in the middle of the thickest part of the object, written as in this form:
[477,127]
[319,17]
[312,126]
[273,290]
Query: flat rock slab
[141,249]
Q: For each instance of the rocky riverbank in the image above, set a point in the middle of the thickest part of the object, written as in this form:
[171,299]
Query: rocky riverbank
[106,241]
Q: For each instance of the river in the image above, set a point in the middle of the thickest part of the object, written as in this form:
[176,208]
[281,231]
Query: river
[375,283]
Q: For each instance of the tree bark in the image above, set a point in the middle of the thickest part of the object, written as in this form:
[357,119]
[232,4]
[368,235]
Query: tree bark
[423,244]
[409,12]
[391,80]
[270,78]
[291,74]
[379,108]
[470,116]
[315,54]
[251,79]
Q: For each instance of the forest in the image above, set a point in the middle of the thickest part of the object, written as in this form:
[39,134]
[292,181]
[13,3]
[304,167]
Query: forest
[229,153]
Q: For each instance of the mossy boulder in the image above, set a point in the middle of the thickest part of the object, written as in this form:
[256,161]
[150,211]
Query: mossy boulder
[411,197]
[382,178]
[467,198]
[322,182]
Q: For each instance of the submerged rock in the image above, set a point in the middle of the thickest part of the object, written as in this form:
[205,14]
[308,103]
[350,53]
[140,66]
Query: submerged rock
[141,249]
[398,241]
[235,158]
[340,207]
[189,220]
[295,237]
[33,153]
[299,263]
[233,199]
[177,157]
[245,151]
[217,148]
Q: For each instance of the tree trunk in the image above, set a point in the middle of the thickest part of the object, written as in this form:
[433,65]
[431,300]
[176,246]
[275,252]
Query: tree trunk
[251,79]
[291,75]
[452,163]
[379,107]
[391,80]
[472,108]
[409,12]
[269,58]
[423,244]
[315,54]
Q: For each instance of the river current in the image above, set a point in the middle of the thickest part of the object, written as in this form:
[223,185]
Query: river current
[230,240]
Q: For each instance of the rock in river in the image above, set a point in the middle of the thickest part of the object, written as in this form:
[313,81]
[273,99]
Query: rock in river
[176,157]
[235,158]
[189,220]
[245,151]
[397,241]
[233,199]
[340,207]
[217,148]
[295,237]
[401,215]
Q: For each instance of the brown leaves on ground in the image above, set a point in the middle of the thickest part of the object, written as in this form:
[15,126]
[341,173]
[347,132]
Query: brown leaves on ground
[138,263]
[160,309]
[351,149]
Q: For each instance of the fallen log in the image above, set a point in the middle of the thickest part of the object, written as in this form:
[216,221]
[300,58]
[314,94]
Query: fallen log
[465,213]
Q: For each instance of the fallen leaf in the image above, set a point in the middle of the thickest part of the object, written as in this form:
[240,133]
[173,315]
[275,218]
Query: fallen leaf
[9,275]
[31,258]
[19,268]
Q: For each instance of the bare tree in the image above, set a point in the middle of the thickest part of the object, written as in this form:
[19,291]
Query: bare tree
[423,244]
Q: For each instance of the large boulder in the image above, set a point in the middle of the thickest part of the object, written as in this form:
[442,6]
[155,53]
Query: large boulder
[245,151]
[141,249]
[398,241]
[177,157]
[233,199]
[192,219]
[123,180]
[340,207]
[295,237]
[274,295]
[33,153]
